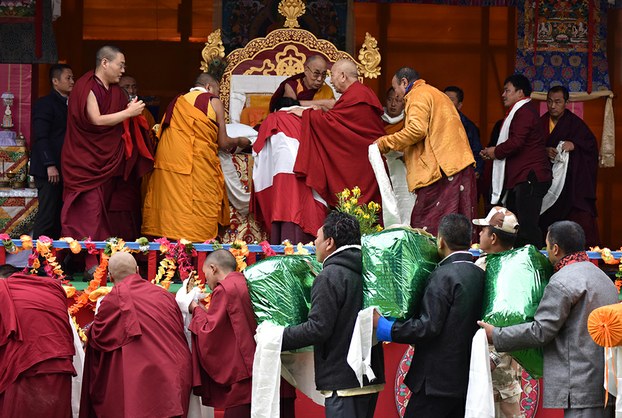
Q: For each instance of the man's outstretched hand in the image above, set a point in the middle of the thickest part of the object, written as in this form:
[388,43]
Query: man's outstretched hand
[488,329]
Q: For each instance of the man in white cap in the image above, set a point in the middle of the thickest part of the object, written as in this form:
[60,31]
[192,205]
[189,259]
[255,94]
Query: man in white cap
[498,234]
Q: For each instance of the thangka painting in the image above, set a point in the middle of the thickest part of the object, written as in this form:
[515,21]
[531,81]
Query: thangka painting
[563,43]
[243,20]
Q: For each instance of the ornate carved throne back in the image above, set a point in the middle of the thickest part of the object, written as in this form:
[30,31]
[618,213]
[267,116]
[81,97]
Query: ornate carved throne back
[254,72]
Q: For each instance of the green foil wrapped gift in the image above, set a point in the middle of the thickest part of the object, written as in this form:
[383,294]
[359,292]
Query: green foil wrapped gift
[280,288]
[396,265]
[515,282]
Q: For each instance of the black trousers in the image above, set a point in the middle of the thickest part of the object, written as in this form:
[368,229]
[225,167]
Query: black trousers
[361,406]
[47,221]
[421,405]
[525,200]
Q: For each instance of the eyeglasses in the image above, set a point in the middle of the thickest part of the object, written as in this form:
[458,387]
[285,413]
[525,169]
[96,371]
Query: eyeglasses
[316,74]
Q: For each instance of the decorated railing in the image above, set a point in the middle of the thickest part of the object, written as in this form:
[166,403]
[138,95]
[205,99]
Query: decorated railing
[255,251]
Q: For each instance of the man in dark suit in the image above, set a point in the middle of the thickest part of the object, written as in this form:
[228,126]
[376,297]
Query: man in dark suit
[49,122]
[440,331]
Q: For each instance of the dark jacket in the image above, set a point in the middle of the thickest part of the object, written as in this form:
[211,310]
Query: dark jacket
[336,299]
[472,132]
[443,328]
[524,150]
[49,122]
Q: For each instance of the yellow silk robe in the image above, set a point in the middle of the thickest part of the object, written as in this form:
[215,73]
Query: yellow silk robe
[186,196]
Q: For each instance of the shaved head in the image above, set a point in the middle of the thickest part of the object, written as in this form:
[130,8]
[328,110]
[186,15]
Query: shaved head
[121,265]
[223,259]
[108,52]
[204,79]
[348,67]
[315,59]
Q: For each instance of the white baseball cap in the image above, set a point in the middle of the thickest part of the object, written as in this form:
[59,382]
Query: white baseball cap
[500,218]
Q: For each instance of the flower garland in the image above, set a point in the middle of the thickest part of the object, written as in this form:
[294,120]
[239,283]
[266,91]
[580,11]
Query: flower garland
[177,261]
[239,249]
[605,254]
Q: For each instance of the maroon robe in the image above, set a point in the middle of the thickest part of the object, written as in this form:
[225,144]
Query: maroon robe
[305,94]
[333,147]
[224,335]
[36,348]
[99,161]
[137,358]
[577,201]
[287,209]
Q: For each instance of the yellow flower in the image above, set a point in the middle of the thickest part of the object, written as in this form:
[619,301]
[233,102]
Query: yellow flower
[378,228]
[347,206]
[346,193]
[354,201]
[356,191]
[366,216]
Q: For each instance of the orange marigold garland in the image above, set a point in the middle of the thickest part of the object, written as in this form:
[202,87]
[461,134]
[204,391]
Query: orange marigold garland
[239,249]
[177,261]
[605,254]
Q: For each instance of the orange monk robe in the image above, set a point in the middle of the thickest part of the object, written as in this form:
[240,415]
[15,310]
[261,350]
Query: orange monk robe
[391,128]
[186,196]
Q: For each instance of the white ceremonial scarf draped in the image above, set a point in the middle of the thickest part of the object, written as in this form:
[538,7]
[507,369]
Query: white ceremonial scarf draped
[498,166]
[184,298]
[238,196]
[296,368]
[480,402]
[392,120]
[277,156]
[78,364]
[397,201]
[613,376]
[560,168]
[359,353]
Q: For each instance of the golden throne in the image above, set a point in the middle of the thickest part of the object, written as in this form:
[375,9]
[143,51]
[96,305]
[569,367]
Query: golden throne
[250,77]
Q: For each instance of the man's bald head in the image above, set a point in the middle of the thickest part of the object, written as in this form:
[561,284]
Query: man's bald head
[223,259]
[108,52]
[208,82]
[316,59]
[348,67]
[343,74]
[217,266]
[121,265]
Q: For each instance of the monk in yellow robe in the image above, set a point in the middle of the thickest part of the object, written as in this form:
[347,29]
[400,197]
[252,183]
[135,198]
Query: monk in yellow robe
[186,196]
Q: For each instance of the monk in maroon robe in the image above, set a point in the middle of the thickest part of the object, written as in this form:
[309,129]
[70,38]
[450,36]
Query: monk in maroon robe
[333,150]
[36,348]
[137,359]
[308,87]
[105,151]
[223,344]
[577,201]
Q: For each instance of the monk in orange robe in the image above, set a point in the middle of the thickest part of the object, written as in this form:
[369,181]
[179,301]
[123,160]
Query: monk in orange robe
[186,195]
[36,348]
[137,359]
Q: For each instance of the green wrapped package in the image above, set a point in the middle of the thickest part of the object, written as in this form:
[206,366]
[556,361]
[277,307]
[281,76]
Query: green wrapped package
[280,288]
[396,266]
[515,282]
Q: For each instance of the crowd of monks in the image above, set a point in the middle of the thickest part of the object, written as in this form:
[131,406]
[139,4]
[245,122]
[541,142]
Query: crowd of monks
[118,181]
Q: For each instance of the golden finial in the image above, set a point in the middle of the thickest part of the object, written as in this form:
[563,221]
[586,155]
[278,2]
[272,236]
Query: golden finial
[213,49]
[369,57]
[292,10]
